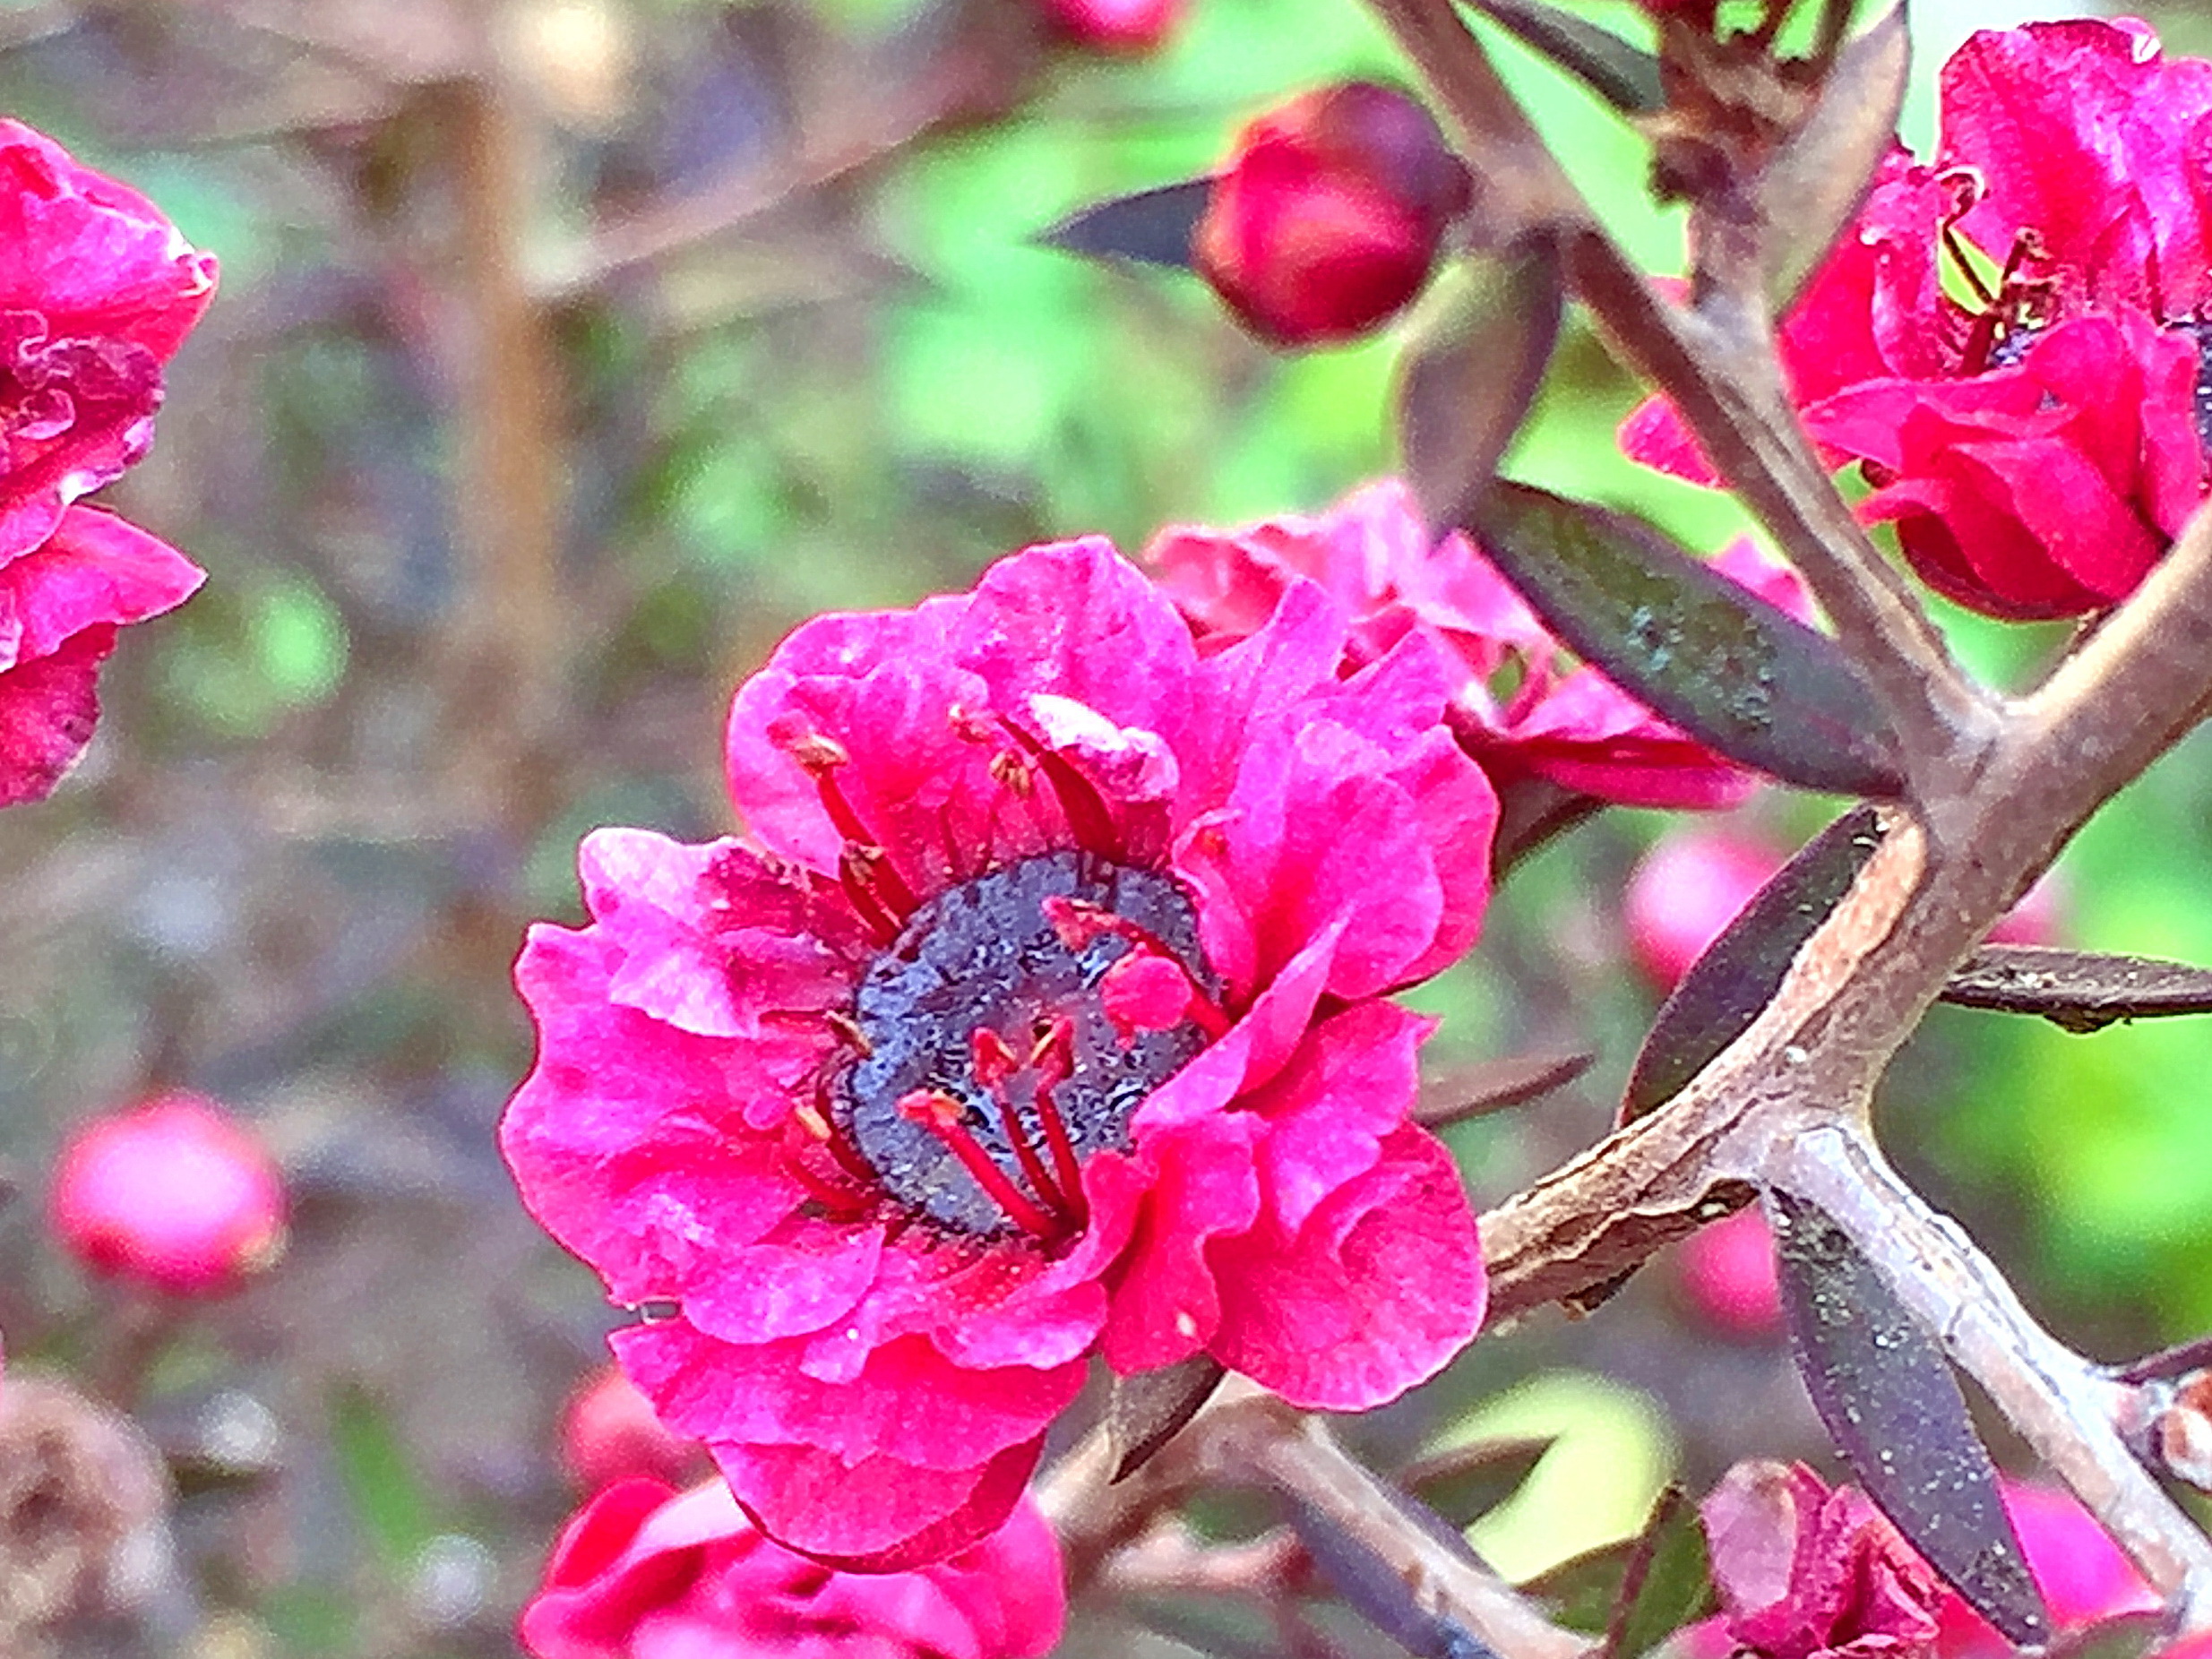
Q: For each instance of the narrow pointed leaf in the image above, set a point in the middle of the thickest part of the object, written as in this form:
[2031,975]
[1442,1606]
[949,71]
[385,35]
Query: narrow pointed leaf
[1819,178]
[1152,226]
[1890,1403]
[1532,812]
[1495,1085]
[1150,1408]
[1730,669]
[1486,335]
[2080,990]
[1724,990]
[1469,1481]
[1667,1583]
[1625,76]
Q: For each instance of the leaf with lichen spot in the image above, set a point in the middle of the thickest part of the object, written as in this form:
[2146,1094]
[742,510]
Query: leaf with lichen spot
[2080,991]
[1890,1403]
[1734,671]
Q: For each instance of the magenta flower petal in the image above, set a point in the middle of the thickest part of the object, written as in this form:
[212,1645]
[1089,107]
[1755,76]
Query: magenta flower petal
[1063,956]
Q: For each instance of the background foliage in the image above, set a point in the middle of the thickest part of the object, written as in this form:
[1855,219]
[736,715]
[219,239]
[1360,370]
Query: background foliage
[569,352]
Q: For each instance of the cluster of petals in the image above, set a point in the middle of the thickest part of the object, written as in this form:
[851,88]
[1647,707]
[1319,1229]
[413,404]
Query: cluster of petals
[872,1366]
[1560,721]
[97,290]
[2039,442]
[1807,1572]
[643,1571]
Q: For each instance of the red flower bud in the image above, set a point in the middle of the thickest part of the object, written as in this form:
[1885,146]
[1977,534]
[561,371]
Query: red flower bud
[173,1193]
[610,1433]
[1131,26]
[1727,1274]
[1330,214]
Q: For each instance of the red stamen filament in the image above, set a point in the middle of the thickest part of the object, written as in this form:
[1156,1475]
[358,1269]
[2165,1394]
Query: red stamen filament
[872,866]
[995,1065]
[940,1114]
[1089,820]
[1053,1058]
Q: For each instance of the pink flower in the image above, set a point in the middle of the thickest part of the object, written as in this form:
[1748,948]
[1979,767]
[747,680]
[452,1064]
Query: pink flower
[1324,222]
[1372,552]
[60,605]
[97,289]
[1047,1017]
[172,1194]
[1728,1273]
[643,1572]
[1807,1573]
[609,1433]
[2038,446]
[1131,26]
[1686,891]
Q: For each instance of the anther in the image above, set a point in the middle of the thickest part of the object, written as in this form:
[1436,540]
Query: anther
[942,1115]
[873,868]
[995,1065]
[1089,820]
[1052,1055]
[848,1032]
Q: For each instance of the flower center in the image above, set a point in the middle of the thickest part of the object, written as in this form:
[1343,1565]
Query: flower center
[2007,352]
[1010,1031]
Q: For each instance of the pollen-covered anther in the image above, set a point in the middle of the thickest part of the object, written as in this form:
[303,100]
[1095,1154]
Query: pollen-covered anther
[1010,772]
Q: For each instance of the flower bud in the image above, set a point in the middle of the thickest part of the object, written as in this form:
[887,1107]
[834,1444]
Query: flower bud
[1687,889]
[1130,26]
[609,1433]
[173,1194]
[1330,214]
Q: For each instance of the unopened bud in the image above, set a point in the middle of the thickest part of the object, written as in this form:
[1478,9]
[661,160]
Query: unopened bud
[1330,212]
[1130,26]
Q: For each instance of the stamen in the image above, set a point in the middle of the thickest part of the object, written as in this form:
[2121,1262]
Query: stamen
[1089,820]
[1053,1057]
[848,1032]
[995,1065]
[874,867]
[817,1122]
[940,1114]
[1078,924]
[852,875]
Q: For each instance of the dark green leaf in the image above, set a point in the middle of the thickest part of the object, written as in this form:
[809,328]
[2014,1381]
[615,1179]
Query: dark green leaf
[1467,385]
[1730,669]
[1532,812]
[1667,1583]
[1816,182]
[1148,1408]
[1495,1085]
[1625,76]
[1582,1591]
[1469,1481]
[1885,1391]
[1737,976]
[1152,226]
[2078,989]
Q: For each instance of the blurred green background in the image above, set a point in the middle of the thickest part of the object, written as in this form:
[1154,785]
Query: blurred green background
[568,352]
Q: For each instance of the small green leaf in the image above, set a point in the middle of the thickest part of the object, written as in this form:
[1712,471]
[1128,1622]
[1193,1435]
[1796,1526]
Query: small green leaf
[1891,1404]
[1724,990]
[1471,1480]
[1583,1590]
[387,1495]
[1668,1582]
[1731,670]
[1485,337]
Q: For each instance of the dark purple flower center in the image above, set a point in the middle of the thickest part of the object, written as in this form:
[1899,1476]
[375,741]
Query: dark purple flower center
[995,1055]
[2007,352]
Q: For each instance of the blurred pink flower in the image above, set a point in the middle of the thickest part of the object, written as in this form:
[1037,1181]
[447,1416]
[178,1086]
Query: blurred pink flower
[173,1194]
[1047,1016]
[1686,891]
[1728,1273]
[1518,708]
[2083,1575]
[609,1433]
[644,1572]
[1133,26]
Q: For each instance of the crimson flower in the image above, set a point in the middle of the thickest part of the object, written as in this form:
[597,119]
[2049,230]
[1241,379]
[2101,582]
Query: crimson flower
[1807,1573]
[1130,26]
[97,289]
[644,1572]
[1325,218]
[1046,1017]
[2039,442]
[1372,551]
